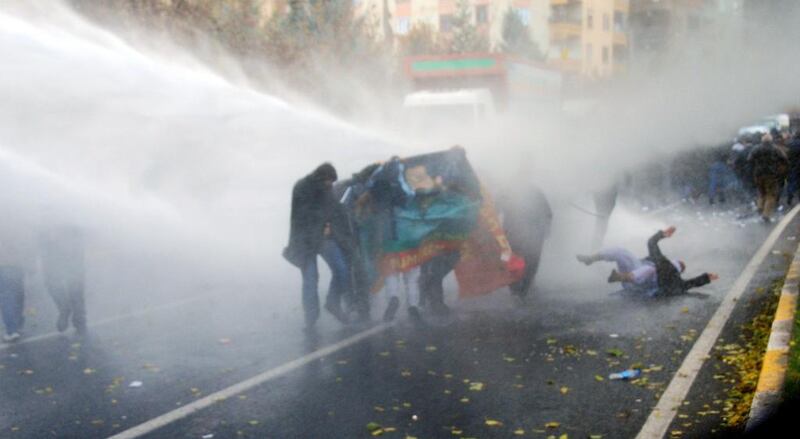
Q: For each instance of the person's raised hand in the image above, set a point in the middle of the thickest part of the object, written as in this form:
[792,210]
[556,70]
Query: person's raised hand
[713,276]
[669,231]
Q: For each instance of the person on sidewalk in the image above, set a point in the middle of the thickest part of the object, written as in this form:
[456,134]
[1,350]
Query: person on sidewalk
[62,260]
[656,275]
[318,226]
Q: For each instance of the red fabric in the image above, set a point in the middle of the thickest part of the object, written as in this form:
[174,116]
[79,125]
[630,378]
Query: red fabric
[481,269]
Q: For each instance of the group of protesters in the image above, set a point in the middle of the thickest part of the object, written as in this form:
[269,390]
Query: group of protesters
[402,226]
[57,253]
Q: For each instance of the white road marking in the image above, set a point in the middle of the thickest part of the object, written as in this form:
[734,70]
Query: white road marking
[108,320]
[662,415]
[200,404]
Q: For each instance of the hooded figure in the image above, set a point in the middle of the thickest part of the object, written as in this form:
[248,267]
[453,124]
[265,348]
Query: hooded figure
[319,226]
[770,165]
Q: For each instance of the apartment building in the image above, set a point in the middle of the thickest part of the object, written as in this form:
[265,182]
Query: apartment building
[401,16]
[589,37]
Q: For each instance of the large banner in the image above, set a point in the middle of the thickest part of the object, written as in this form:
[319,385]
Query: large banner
[408,211]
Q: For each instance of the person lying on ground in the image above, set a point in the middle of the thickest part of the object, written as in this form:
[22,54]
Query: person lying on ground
[655,274]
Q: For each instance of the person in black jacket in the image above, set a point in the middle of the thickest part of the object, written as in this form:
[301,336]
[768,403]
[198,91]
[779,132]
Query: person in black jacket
[770,165]
[527,217]
[319,227]
[668,275]
[655,275]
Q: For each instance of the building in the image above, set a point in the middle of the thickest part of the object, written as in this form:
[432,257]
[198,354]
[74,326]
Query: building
[401,16]
[589,37]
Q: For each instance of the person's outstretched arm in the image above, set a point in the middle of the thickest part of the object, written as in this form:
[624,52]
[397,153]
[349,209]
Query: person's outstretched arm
[652,243]
[699,281]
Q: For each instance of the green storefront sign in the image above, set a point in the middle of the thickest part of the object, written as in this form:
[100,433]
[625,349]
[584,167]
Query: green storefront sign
[453,64]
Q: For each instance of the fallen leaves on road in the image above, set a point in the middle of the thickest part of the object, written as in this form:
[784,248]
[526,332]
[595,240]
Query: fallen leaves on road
[493,423]
[552,424]
[476,386]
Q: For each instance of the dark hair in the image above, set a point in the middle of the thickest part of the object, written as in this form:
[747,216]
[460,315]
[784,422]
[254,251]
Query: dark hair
[324,172]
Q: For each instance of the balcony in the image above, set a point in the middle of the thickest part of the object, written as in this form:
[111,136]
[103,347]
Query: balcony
[564,31]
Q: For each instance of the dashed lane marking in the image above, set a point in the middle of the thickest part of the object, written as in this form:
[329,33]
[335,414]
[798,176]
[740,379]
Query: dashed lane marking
[200,404]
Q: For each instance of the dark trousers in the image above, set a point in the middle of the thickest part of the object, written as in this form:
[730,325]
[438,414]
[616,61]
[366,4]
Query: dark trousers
[432,277]
[12,298]
[333,255]
[69,299]
[532,255]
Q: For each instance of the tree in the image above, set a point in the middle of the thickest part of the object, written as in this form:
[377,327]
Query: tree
[465,36]
[420,40]
[517,38]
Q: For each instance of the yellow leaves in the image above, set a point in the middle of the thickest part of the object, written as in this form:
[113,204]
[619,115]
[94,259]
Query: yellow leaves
[685,310]
[564,390]
[519,432]
[598,378]
[552,341]
[456,432]
[595,436]
[405,373]
[430,348]
[89,371]
[464,400]
[378,408]
[552,424]
[591,352]
[253,422]
[508,359]
[476,386]
[493,423]
[563,436]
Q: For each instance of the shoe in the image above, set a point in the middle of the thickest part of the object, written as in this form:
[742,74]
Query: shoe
[11,338]
[440,309]
[337,312]
[413,313]
[614,277]
[63,321]
[391,310]
[585,259]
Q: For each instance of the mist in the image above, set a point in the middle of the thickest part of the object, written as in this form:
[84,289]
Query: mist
[184,174]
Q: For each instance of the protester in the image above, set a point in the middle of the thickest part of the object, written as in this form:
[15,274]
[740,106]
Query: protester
[432,280]
[793,180]
[319,227]
[720,177]
[770,165]
[13,264]
[62,258]
[655,275]
[526,220]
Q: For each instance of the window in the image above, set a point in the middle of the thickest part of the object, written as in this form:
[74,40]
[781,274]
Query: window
[445,23]
[606,23]
[589,19]
[605,55]
[403,25]
[481,14]
[619,22]
[524,15]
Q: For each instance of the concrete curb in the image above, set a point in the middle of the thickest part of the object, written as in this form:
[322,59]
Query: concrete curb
[776,358]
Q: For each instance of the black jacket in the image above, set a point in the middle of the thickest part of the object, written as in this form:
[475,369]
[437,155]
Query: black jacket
[526,218]
[769,161]
[314,205]
[669,278]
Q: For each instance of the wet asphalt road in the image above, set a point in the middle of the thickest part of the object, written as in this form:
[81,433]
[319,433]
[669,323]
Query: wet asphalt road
[494,368]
